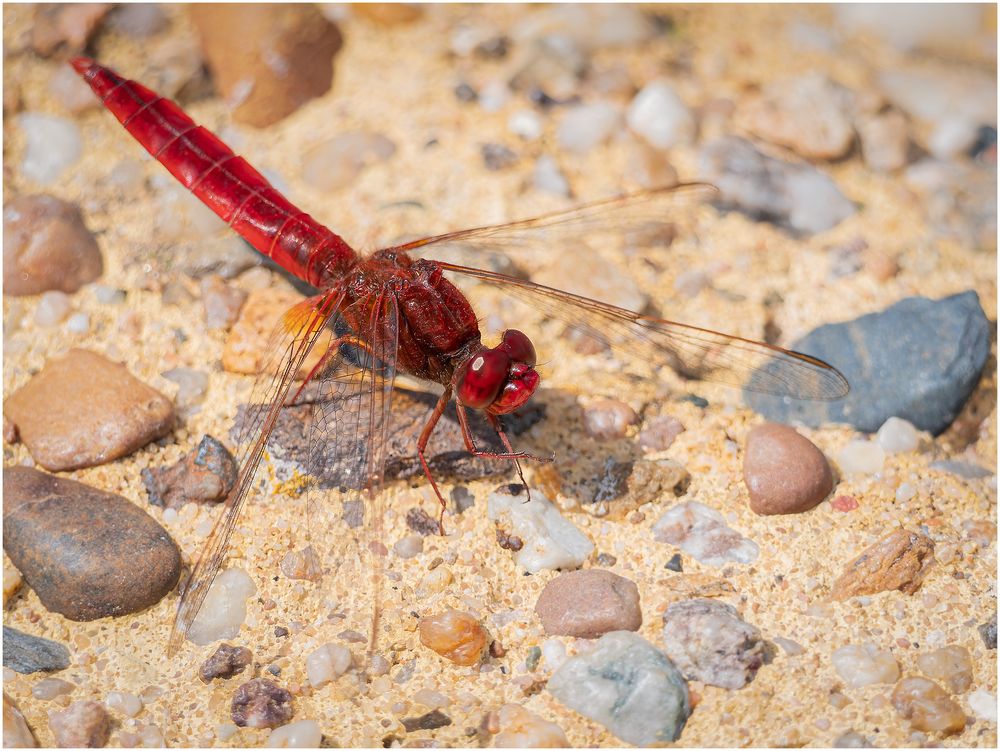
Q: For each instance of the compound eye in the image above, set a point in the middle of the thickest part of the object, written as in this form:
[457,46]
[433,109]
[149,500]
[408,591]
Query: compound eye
[483,378]
[519,347]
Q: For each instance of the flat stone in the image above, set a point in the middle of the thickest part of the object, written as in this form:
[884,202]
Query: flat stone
[204,475]
[784,471]
[261,704]
[702,533]
[589,603]
[16,733]
[31,654]
[47,246]
[225,662]
[86,553]
[918,360]
[82,410]
[900,560]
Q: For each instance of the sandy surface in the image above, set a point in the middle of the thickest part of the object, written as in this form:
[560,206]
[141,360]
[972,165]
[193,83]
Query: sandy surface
[399,81]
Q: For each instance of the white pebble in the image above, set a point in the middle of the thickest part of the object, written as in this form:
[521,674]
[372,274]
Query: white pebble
[151,737]
[586,126]
[493,96]
[952,137]
[905,492]
[49,688]
[169,515]
[78,323]
[409,546]
[898,436]
[554,653]
[204,526]
[71,91]
[702,533]
[861,457]
[983,704]
[107,295]
[225,608]
[549,178]
[521,728]
[862,665]
[226,730]
[525,124]
[550,541]
[53,145]
[53,307]
[128,704]
[431,699]
[327,663]
[127,175]
[658,115]
[301,734]
[333,164]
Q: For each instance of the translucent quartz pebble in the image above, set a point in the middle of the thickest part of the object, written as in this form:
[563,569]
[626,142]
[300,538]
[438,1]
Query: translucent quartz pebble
[521,728]
[862,665]
[53,145]
[627,685]
[225,608]
[301,734]
[659,116]
[327,663]
[897,436]
[861,457]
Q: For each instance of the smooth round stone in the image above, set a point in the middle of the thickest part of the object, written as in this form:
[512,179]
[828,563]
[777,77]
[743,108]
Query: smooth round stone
[660,116]
[608,419]
[224,609]
[327,663]
[549,178]
[784,471]
[862,665]
[861,457]
[589,603]
[54,144]
[301,734]
[521,728]
[898,436]
[586,126]
[53,307]
[87,553]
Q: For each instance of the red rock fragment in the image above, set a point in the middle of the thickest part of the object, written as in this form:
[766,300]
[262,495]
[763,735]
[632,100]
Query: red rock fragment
[589,603]
[844,503]
[784,471]
[84,724]
[899,560]
[204,475]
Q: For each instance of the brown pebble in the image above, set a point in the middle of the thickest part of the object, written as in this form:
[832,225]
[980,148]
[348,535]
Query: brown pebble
[261,704]
[225,662]
[589,603]
[899,560]
[606,419]
[82,410]
[302,564]
[204,475]
[659,433]
[952,665]
[269,59]
[784,471]
[508,541]
[47,246]
[454,635]
[65,26]
[927,706]
[222,302]
[388,14]
[422,523]
[430,721]
[16,732]
[84,724]
[497,649]
[86,553]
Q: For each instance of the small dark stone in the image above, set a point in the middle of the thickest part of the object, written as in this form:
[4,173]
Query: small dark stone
[206,474]
[462,499]
[988,632]
[429,721]
[30,654]
[497,649]
[919,360]
[606,559]
[674,564]
[280,632]
[696,400]
[422,523]
[496,156]
[225,662]
[534,655]
[351,635]
[274,670]
[508,541]
[261,704]
[984,147]
[495,49]
[465,93]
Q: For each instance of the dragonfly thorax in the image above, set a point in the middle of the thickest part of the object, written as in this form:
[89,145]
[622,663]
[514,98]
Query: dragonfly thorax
[501,379]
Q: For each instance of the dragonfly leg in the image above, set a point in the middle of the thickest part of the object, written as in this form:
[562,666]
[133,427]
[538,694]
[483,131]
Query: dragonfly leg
[425,436]
[470,442]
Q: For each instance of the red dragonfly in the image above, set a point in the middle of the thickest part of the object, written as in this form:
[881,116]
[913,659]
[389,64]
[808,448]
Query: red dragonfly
[405,316]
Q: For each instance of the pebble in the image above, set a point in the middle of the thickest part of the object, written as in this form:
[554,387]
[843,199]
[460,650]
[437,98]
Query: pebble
[784,471]
[301,734]
[808,114]
[952,138]
[409,547]
[267,60]
[224,609]
[951,665]
[965,470]
[846,503]
[128,704]
[927,706]
[522,728]
[87,553]
[328,663]
[204,475]
[302,564]
[709,642]
[222,302]
[659,115]
[31,654]
[796,195]
[192,386]
[589,603]
[48,689]
[78,323]
[422,523]
[261,704]
[496,156]
[988,632]
[225,662]
[335,163]
[918,360]
[140,20]
[607,419]
[84,724]
[71,91]
[82,410]
[898,436]
[53,146]
[526,124]
[65,27]
[598,278]
[430,721]
[885,140]
[851,739]
[435,581]
[549,540]
[863,665]
[983,704]
[47,246]
[12,580]
[861,458]
[586,126]
[548,178]
[627,685]
[431,699]
[701,532]
[659,433]
[16,733]
[790,647]
[456,636]
[53,307]
[900,560]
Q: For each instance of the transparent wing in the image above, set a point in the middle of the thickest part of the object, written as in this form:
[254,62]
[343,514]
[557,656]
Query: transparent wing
[690,351]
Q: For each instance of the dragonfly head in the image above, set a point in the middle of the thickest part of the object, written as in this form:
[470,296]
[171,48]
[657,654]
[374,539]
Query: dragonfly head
[501,379]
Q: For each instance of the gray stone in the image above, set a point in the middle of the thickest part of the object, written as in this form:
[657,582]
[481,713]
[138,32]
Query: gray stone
[627,685]
[918,360]
[987,631]
[30,654]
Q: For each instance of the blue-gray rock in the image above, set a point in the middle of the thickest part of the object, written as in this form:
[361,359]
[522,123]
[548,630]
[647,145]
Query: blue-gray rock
[627,685]
[31,654]
[965,470]
[988,632]
[919,360]
[793,195]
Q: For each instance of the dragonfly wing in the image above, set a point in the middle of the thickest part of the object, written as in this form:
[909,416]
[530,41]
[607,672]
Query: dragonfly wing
[690,351]
[295,337]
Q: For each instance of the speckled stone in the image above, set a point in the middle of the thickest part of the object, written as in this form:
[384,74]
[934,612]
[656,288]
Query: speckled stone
[589,603]
[30,654]
[900,560]
[784,471]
